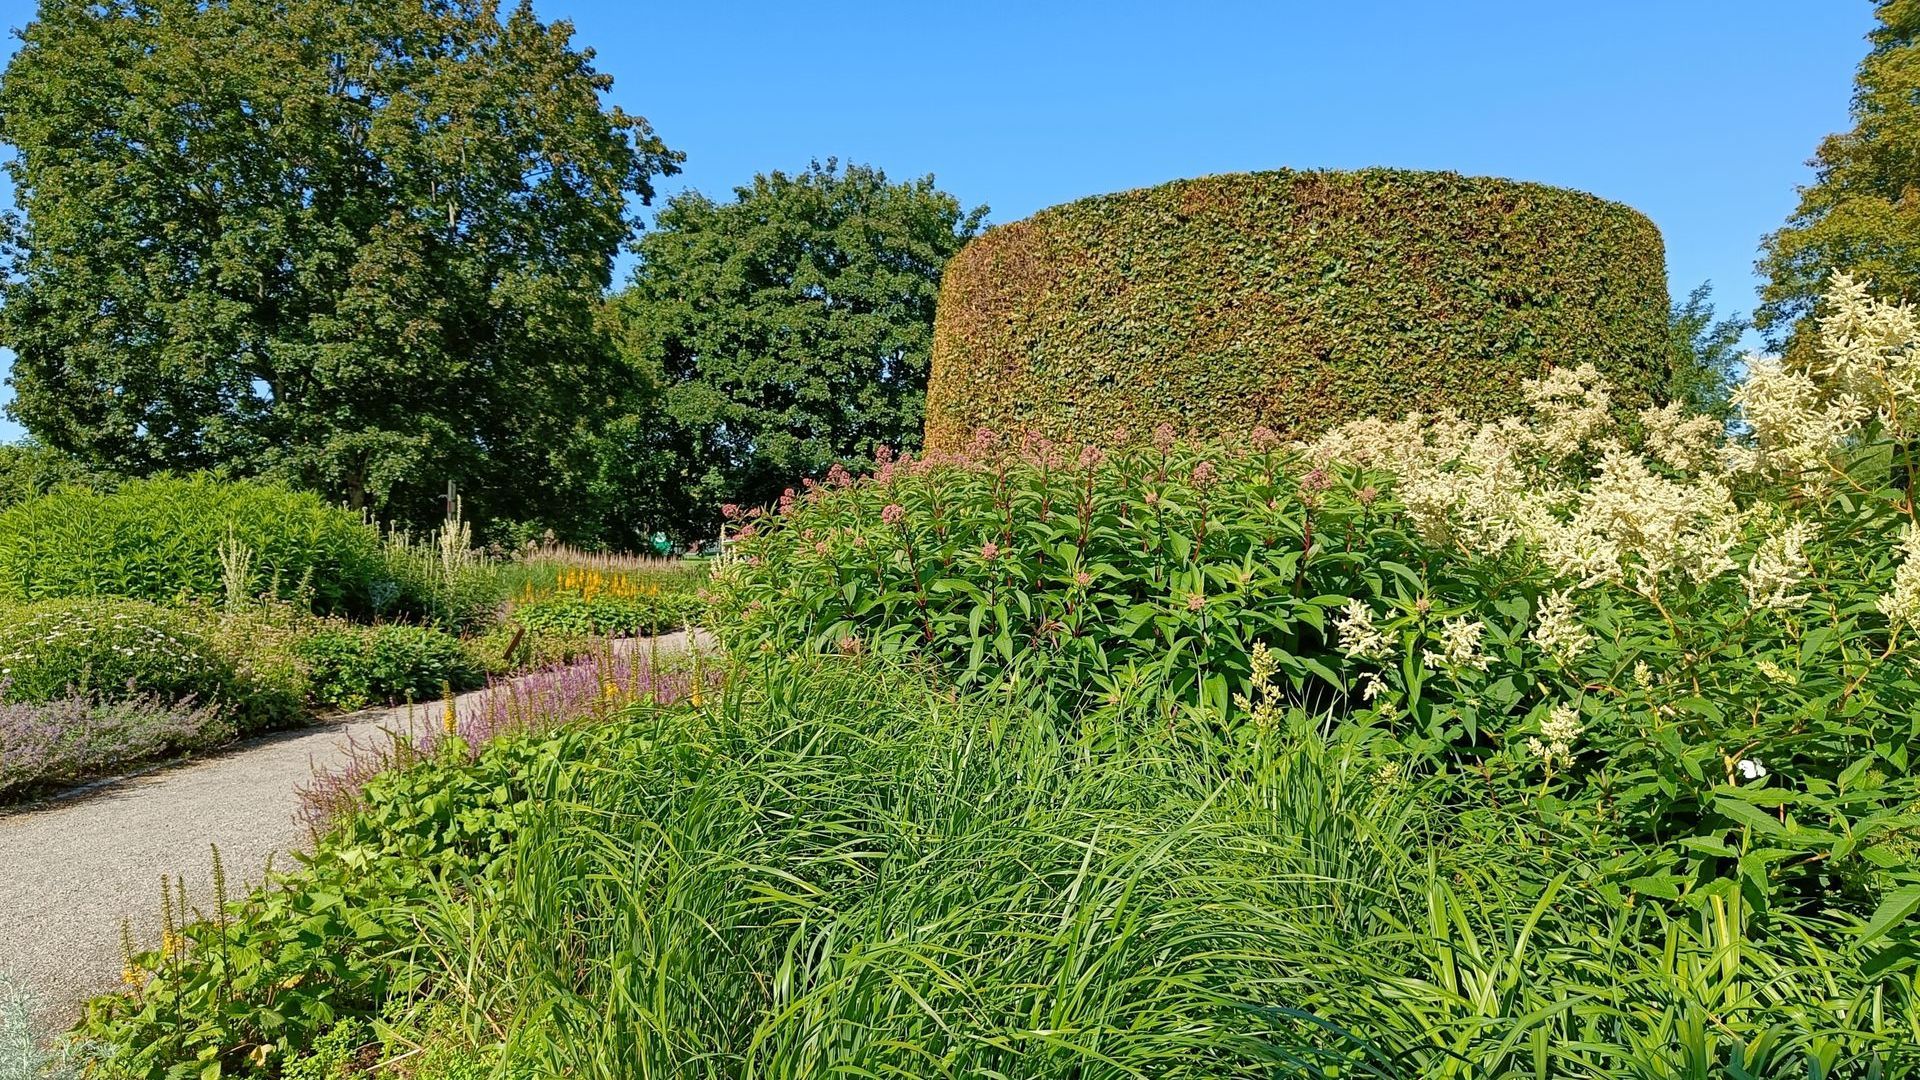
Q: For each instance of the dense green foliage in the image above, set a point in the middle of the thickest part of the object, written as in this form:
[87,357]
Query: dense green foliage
[358,248]
[1859,212]
[351,667]
[168,540]
[780,332]
[110,649]
[834,869]
[1145,579]
[1706,354]
[1573,744]
[1066,579]
[1291,299]
[29,470]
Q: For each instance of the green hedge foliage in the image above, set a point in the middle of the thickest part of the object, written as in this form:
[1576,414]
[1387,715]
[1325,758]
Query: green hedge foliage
[1294,300]
[161,540]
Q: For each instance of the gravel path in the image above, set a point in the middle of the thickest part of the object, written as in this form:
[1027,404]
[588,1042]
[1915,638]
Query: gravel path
[73,868]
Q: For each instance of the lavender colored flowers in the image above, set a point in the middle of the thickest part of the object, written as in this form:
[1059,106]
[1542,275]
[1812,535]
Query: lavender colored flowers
[78,736]
[596,686]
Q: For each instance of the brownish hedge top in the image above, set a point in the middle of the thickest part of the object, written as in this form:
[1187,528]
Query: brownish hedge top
[1293,299]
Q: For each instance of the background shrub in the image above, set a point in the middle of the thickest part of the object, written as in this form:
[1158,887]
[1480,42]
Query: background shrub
[353,666]
[1292,299]
[111,648]
[162,539]
[105,650]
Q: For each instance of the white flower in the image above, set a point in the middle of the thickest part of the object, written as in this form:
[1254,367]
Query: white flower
[1558,631]
[1901,604]
[1558,732]
[1359,638]
[1778,567]
[1775,672]
[1571,409]
[1460,640]
[1371,686]
[1689,444]
[1632,526]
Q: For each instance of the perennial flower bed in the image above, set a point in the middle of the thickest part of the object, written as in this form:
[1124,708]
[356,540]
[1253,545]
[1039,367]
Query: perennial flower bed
[1697,649]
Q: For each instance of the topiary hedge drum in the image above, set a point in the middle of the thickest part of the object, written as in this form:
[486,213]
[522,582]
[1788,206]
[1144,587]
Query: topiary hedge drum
[1292,299]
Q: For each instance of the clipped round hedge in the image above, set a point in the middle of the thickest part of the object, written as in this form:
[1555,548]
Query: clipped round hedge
[1292,299]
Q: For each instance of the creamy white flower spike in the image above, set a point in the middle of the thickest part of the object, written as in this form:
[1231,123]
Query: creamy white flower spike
[1359,638]
[1460,643]
[1779,567]
[1558,732]
[1557,629]
[1901,604]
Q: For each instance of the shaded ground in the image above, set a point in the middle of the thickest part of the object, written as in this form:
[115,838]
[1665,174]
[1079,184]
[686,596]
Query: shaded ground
[72,868]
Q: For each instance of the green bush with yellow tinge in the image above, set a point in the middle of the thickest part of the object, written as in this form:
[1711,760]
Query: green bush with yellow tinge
[1295,300]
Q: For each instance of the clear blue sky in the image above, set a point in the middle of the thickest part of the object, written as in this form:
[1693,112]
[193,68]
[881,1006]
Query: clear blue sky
[1700,113]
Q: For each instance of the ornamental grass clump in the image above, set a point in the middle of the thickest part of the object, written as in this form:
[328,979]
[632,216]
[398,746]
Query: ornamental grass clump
[832,867]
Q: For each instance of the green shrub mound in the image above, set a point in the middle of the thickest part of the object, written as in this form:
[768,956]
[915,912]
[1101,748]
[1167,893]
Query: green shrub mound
[162,540]
[1294,300]
[110,650]
[351,667]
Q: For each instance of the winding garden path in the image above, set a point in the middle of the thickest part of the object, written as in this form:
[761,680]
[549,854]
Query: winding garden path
[72,868]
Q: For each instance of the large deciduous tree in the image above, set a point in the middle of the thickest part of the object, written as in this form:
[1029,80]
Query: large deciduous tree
[791,327]
[1862,212]
[359,246]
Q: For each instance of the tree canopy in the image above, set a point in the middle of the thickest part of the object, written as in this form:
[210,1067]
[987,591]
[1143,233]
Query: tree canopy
[790,328]
[1706,354]
[1862,212]
[359,247]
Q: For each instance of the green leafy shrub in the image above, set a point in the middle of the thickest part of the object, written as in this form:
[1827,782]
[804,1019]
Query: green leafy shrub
[350,666]
[1291,299]
[115,650]
[162,540]
[1071,579]
[1697,655]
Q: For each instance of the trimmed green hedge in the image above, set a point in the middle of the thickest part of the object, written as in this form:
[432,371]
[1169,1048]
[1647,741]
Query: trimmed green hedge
[1292,299]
